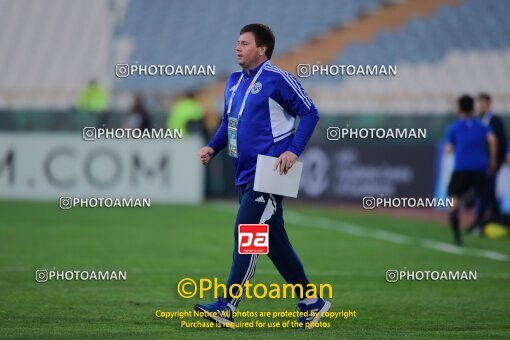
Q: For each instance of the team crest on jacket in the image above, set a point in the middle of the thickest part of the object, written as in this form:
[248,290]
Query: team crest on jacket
[256,88]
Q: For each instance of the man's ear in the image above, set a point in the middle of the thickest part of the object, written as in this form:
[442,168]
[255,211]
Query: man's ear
[263,50]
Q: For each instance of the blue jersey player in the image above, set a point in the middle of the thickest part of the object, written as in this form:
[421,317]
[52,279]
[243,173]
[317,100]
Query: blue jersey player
[474,147]
[261,106]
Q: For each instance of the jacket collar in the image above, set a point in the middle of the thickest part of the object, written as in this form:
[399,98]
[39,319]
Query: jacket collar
[253,71]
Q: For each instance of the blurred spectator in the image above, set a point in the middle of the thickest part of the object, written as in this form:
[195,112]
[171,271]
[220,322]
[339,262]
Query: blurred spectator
[488,199]
[138,117]
[187,114]
[93,98]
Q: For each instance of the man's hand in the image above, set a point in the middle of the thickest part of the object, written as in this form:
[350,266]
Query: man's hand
[493,148]
[205,154]
[285,161]
[492,167]
[448,149]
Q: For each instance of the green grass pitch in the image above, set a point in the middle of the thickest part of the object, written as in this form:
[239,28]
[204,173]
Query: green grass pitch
[160,245]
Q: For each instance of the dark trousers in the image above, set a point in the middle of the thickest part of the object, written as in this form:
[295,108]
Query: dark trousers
[268,210]
[488,200]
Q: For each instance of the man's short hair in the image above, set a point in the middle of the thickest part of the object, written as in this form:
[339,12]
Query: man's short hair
[263,36]
[485,96]
[466,104]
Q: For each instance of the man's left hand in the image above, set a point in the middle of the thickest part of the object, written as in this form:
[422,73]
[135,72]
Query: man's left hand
[285,161]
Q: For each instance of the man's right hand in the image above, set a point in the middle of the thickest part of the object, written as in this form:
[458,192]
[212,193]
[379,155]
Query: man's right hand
[205,154]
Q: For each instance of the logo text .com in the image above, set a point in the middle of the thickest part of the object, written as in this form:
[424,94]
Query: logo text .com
[370,202]
[126,70]
[394,275]
[44,275]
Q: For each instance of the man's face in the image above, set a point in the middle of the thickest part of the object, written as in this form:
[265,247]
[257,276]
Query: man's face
[483,105]
[248,54]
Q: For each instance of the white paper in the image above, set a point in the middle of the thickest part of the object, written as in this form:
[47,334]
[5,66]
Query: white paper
[270,181]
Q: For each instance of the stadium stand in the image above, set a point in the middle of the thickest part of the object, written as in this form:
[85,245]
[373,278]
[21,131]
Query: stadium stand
[453,49]
[44,65]
[463,48]
[57,63]
[157,41]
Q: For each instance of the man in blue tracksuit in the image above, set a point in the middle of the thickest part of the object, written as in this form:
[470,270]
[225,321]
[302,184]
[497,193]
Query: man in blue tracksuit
[261,105]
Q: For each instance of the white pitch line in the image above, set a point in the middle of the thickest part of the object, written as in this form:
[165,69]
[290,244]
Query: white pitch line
[379,234]
[441,246]
[394,237]
[492,254]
